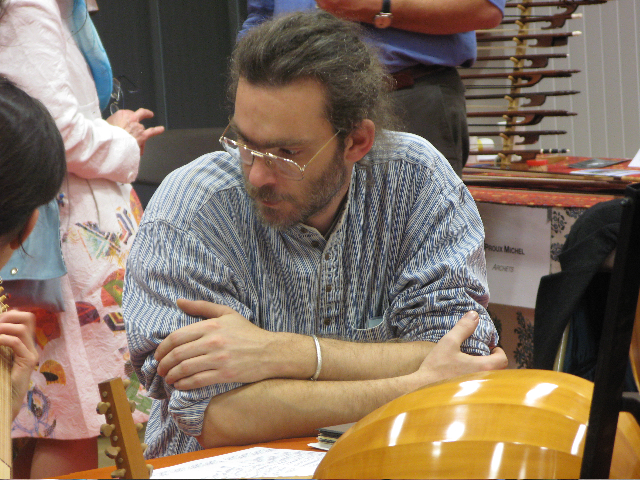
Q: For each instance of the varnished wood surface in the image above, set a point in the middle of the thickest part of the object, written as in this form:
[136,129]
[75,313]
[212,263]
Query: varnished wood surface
[293,444]
[5,412]
[504,424]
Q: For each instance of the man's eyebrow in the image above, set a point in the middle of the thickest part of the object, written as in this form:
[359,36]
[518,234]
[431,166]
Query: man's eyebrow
[278,142]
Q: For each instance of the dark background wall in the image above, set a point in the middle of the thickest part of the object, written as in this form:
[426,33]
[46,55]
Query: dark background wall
[171,56]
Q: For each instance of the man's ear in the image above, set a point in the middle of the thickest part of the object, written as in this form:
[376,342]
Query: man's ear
[360,141]
[26,231]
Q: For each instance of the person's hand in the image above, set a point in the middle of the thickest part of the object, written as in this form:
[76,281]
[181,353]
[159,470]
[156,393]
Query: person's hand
[132,122]
[224,348]
[17,332]
[446,360]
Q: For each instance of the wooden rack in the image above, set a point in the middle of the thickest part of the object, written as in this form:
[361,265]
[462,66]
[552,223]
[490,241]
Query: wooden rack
[507,68]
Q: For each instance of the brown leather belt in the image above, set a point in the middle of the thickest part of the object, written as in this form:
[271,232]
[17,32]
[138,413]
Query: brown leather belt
[407,77]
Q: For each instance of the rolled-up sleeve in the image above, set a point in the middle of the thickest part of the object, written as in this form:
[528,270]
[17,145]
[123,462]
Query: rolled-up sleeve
[165,264]
[442,273]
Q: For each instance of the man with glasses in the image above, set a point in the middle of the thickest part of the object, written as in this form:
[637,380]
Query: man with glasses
[422,44]
[320,267]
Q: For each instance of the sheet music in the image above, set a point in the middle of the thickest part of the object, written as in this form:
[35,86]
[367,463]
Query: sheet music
[249,463]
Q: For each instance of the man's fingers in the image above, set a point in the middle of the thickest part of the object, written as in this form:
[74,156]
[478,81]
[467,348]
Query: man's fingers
[198,308]
[198,380]
[201,308]
[463,329]
[191,367]
[497,360]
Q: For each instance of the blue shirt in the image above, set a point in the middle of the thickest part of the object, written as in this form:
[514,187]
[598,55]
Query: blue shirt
[405,260]
[398,48]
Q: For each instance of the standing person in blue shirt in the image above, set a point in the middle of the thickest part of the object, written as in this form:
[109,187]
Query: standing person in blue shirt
[306,276]
[420,43]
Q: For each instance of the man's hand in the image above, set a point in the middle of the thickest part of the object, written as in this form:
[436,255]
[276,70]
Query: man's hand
[225,348]
[132,122]
[446,360]
[16,332]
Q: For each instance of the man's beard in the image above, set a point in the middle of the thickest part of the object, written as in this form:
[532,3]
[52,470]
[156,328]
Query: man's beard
[319,193]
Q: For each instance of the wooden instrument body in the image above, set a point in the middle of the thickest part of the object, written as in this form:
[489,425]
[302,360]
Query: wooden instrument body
[500,424]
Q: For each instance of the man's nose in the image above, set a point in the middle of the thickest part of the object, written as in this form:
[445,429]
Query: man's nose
[261,172]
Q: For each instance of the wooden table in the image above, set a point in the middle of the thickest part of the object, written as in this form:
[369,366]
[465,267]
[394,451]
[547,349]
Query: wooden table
[293,444]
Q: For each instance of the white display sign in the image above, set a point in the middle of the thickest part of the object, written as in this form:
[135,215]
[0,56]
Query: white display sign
[517,248]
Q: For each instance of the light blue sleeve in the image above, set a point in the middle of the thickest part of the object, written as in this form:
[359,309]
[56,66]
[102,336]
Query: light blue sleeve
[499,3]
[258,11]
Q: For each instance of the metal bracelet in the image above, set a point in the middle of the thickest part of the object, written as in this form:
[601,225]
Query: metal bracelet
[319,357]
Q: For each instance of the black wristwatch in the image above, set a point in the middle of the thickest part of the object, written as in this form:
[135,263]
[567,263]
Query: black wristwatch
[383,19]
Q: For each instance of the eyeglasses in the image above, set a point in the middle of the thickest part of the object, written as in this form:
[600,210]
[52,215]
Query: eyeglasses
[121,84]
[116,96]
[284,167]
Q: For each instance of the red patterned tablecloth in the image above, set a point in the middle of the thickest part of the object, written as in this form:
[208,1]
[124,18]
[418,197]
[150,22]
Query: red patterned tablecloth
[560,169]
[537,198]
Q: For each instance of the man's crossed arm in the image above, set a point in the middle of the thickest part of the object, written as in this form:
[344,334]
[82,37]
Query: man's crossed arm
[278,400]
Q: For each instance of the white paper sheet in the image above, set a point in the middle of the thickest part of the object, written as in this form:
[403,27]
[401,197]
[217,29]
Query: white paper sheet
[607,172]
[517,249]
[320,446]
[249,463]
[636,161]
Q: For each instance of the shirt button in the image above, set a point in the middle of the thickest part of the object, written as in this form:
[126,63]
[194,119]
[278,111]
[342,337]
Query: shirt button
[327,288]
[327,256]
[14,271]
[303,230]
[327,321]
[315,244]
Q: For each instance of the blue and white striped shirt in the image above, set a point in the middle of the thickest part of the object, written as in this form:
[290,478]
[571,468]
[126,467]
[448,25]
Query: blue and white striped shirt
[406,261]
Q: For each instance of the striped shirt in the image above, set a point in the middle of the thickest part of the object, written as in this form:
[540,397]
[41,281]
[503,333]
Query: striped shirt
[405,261]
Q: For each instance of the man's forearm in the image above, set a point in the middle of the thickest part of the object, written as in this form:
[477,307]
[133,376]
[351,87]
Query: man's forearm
[283,408]
[436,17]
[274,409]
[227,348]
[344,360]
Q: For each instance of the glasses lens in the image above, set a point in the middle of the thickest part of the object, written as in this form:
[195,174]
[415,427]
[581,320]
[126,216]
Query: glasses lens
[116,93]
[283,167]
[237,151]
[287,169]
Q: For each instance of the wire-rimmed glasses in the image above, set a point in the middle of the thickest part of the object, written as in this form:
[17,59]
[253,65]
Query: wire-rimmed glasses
[117,94]
[284,167]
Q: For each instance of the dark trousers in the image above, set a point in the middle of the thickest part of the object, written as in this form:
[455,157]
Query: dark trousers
[434,108]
